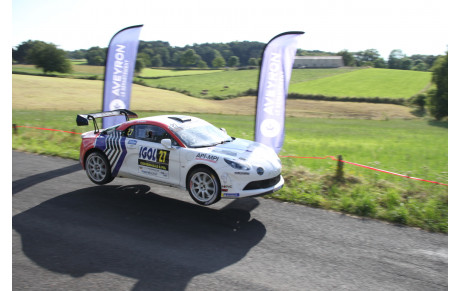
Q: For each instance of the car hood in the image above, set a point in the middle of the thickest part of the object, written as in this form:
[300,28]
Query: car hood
[245,150]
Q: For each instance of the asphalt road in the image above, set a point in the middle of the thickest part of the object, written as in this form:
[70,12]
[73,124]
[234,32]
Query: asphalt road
[69,234]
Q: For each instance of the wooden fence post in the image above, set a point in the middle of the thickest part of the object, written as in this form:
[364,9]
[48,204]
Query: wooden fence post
[339,170]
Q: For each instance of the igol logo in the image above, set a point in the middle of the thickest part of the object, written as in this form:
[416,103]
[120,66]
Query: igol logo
[147,153]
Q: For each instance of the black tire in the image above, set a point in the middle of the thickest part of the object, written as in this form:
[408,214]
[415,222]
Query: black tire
[98,168]
[204,186]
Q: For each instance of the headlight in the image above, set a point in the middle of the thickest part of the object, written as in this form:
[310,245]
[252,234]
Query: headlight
[237,165]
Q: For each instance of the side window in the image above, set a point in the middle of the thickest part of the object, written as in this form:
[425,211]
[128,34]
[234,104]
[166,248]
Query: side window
[149,133]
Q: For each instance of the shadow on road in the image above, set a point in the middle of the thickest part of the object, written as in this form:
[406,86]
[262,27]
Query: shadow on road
[30,181]
[127,230]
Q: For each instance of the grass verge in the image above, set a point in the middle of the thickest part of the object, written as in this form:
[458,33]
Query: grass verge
[424,206]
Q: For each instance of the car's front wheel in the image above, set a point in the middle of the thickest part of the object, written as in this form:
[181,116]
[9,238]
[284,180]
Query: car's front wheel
[98,168]
[204,186]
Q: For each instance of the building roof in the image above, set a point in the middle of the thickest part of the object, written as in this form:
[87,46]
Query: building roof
[318,57]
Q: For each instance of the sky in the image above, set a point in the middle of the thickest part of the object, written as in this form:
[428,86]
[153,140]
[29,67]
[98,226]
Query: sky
[415,27]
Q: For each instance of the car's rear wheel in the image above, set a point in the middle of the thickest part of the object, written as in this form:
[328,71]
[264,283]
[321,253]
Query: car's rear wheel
[204,186]
[98,168]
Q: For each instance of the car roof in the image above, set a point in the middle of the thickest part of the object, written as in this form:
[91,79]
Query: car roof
[166,120]
[171,119]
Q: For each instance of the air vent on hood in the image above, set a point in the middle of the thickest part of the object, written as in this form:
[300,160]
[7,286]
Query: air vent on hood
[180,118]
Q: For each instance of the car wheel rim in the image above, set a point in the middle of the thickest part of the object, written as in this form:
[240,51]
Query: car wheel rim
[96,168]
[203,186]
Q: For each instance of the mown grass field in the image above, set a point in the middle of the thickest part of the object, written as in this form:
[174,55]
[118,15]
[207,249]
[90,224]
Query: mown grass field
[232,83]
[341,82]
[157,73]
[367,83]
[86,95]
[224,84]
[416,146]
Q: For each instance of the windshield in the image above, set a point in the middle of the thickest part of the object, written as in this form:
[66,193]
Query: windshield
[202,135]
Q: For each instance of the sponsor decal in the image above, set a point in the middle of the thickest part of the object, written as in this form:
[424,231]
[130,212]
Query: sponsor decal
[231,195]
[241,173]
[153,161]
[113,145]
[207,157]
[132,141]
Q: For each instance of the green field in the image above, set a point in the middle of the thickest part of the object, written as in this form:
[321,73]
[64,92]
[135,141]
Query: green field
[233,83]
[367,83]
[223,84]
[157,73]
[416,147]
[341,82]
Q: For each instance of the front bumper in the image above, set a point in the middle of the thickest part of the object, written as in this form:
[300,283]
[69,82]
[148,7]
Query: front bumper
[254,192]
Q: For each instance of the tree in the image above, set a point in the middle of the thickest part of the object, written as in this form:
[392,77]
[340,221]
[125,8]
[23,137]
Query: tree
[20,53]
[233,61]
[253,62]
[394,59]
[157,61]
[218,62]
[380,63]
[49,58]
[367,57]
[438,98]
[348,58]
[139,65]
[406,63]
[189,58]
[145,59]
[419,65]
[77,54]
[95,56]
[202,64]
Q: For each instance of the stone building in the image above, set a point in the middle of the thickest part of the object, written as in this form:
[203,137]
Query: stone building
[318,62]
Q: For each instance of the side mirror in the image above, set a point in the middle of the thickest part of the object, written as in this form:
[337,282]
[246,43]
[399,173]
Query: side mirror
[166,143]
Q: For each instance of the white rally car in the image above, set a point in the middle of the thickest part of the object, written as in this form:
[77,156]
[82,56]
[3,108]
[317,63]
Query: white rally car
[180,151]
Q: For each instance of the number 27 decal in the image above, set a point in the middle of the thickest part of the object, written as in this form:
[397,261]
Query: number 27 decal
[163,156]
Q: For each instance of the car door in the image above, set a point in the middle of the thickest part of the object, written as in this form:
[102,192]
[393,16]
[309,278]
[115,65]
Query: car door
[147,158]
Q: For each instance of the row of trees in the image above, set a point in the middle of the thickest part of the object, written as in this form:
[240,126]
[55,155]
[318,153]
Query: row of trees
[248,53]
[162,54]
[217,55]
[396,60]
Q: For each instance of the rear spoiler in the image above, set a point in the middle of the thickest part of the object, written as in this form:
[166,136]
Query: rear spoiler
[83,119]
